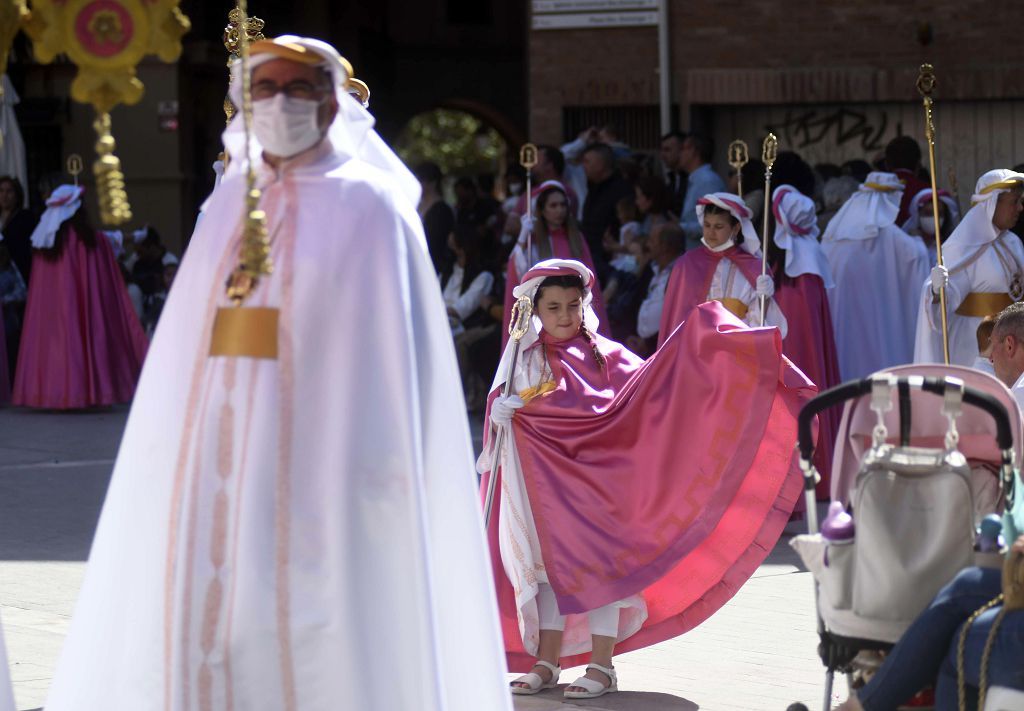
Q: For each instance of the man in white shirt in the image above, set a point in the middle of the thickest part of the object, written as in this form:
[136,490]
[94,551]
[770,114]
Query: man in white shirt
[667,244]
[1008,349]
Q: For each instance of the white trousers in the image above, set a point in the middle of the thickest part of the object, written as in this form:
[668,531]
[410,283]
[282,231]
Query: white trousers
[604,621]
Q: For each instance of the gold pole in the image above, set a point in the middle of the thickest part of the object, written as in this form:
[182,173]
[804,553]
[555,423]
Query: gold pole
[739,156]
[769,151]
[926,85]
[254,260]
[528,159]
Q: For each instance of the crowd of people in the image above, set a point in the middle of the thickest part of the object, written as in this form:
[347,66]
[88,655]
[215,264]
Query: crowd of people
[78,303]
[258,523]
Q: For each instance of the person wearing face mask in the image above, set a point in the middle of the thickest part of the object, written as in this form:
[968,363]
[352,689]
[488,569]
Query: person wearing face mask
[982,272]
[726,268]
[611,532]
[293,515]
[921,222]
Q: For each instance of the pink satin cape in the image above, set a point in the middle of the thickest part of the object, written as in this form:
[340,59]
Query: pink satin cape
[811,345]
[82,344]
[690,281]
[671,478]
[559,250]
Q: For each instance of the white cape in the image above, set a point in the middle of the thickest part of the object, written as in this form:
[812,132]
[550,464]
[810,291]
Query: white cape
[6,693]
[989,267]
[301,533]
[876,299]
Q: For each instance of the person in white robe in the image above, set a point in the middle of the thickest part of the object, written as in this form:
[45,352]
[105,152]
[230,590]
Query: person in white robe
[6,692]
[983,271]
[292,521]
[877,269]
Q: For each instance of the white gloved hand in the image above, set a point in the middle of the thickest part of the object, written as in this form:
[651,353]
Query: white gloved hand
[503,409]
[525,228]
[940,278]
[765,286]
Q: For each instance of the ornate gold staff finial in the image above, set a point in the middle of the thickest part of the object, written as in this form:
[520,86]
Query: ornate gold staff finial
[926,85]
[74,167]
[769,152]
[528,159]
[254,260]
[253,31]
[739,156]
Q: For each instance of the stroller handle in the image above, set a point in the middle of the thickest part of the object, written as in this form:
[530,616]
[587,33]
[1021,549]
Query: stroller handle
[857,388]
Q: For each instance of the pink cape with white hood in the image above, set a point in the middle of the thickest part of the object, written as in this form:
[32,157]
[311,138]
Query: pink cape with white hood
[694,515]
[82,344]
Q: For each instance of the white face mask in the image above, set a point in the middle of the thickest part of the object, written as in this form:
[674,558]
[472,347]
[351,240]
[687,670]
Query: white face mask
[286,127]
[515,188]
[928,224]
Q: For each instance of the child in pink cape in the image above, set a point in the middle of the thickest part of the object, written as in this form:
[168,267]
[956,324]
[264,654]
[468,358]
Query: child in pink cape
[725,268]
[555,234]
[635,497]
[81,344]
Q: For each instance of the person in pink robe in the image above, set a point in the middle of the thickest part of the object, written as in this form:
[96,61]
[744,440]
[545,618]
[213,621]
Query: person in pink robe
[81,344]
[555,234]
[725,268]
[636,497]
[802,280]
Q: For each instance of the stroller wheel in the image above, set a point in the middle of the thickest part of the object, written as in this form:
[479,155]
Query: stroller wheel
[796,707]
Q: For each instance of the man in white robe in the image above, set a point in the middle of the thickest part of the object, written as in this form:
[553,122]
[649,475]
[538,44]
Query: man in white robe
[12,150]
[983,271]
[295,527]
[878,269]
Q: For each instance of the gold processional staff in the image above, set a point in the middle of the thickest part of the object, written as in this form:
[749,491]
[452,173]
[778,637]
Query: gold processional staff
[739,156]
[518,325]
[926,85]
[769,151]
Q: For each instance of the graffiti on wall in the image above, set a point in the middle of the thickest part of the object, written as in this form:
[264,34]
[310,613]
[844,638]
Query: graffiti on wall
[805,128]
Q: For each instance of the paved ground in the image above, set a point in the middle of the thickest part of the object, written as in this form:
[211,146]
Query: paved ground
[757,653]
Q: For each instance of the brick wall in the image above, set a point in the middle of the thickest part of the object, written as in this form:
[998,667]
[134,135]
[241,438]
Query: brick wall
[779,52]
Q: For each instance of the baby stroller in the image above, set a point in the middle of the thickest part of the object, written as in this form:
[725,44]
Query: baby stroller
[916,445]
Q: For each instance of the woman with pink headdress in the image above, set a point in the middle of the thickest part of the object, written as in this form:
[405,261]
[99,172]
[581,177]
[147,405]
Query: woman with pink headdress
[552,232]
[612,532]
[725,268]
[802,279]
[82,344]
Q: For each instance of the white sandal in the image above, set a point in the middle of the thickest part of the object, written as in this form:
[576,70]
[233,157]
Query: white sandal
[593,687]
[534,682]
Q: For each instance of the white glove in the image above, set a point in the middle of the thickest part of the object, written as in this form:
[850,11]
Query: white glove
[940,278]
[503,409]
[764,286]
[526,227]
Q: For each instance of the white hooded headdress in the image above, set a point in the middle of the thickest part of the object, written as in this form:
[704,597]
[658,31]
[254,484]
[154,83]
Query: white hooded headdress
[528,287]
[796,231]
[977,229]
[351,134]
[875,205]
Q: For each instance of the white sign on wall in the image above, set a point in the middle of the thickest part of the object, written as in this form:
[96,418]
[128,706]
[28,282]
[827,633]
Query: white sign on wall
[576,20]
[548,6]
[585,14]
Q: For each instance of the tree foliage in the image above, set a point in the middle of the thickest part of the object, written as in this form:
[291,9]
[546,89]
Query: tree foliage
[458,142]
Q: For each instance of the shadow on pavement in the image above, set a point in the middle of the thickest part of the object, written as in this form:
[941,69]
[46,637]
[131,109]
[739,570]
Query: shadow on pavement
[553,700]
